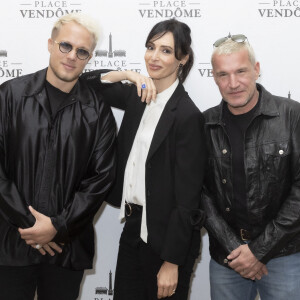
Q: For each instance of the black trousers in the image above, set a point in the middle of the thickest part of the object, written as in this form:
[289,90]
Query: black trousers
[51,282]
[138,265]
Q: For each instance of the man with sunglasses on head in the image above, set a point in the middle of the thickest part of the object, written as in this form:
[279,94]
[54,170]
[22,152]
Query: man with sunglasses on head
[57,163]
[252,189]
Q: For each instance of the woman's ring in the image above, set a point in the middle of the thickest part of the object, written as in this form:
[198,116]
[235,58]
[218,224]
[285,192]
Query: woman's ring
[143,86]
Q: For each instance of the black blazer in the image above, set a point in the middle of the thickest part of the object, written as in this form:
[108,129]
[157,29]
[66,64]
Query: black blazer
[174,167]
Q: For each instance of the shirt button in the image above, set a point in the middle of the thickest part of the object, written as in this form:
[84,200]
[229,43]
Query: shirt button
[133,163]
[224,151]
[227,209]
[224,181]
[281,152]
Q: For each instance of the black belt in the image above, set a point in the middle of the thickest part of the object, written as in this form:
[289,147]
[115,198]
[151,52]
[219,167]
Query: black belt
[131,207]
[245,234]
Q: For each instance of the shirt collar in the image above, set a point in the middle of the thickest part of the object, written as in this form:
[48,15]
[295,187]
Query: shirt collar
[164,96]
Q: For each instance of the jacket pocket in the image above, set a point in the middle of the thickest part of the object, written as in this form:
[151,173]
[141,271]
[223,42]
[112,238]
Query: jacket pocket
[275,161]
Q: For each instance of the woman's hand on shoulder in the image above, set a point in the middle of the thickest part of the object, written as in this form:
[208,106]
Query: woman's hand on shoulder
[144,84]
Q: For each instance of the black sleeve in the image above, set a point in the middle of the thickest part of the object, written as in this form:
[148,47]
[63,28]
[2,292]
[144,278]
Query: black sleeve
[116,94]
[13,207]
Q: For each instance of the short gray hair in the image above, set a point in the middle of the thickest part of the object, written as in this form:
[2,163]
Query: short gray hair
[230,46]
[84,20]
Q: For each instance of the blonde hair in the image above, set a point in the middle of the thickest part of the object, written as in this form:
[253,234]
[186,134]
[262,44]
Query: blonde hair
[230,46]
[84,20]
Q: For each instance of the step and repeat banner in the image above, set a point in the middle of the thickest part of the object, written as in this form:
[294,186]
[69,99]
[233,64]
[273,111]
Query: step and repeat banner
[270,25]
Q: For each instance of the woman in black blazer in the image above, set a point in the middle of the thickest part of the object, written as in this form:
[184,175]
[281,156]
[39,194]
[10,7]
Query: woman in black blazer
[161,162]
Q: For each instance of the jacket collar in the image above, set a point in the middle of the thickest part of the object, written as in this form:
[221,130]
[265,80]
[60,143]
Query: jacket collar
[166,120]
[36,85]
[267,107]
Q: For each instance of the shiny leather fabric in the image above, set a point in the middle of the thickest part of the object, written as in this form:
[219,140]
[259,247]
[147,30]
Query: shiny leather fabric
[272,167]
[62,165]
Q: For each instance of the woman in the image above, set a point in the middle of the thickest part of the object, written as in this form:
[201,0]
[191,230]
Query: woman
[161,156]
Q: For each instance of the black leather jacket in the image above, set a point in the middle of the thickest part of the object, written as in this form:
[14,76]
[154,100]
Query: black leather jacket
[272,167]
[62,166]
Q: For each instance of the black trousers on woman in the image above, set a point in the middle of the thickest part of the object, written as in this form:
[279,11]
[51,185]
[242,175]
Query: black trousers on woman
[138,265]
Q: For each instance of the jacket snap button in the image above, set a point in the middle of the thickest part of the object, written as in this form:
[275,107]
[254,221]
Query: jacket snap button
[224,181]
[227,209]
[224,151]
[281,152]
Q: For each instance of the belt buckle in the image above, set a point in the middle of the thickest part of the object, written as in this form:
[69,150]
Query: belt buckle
[243,232]
[128,209]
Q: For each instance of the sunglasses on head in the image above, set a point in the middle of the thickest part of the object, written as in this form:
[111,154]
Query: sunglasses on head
[239,38]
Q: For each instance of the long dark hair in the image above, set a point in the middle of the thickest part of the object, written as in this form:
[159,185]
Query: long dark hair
[182,42]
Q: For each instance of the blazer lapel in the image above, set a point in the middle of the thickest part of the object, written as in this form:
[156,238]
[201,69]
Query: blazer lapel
[166,121]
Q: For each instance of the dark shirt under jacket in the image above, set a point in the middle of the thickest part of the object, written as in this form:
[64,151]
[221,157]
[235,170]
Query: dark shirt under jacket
[236,126]
[56,98]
